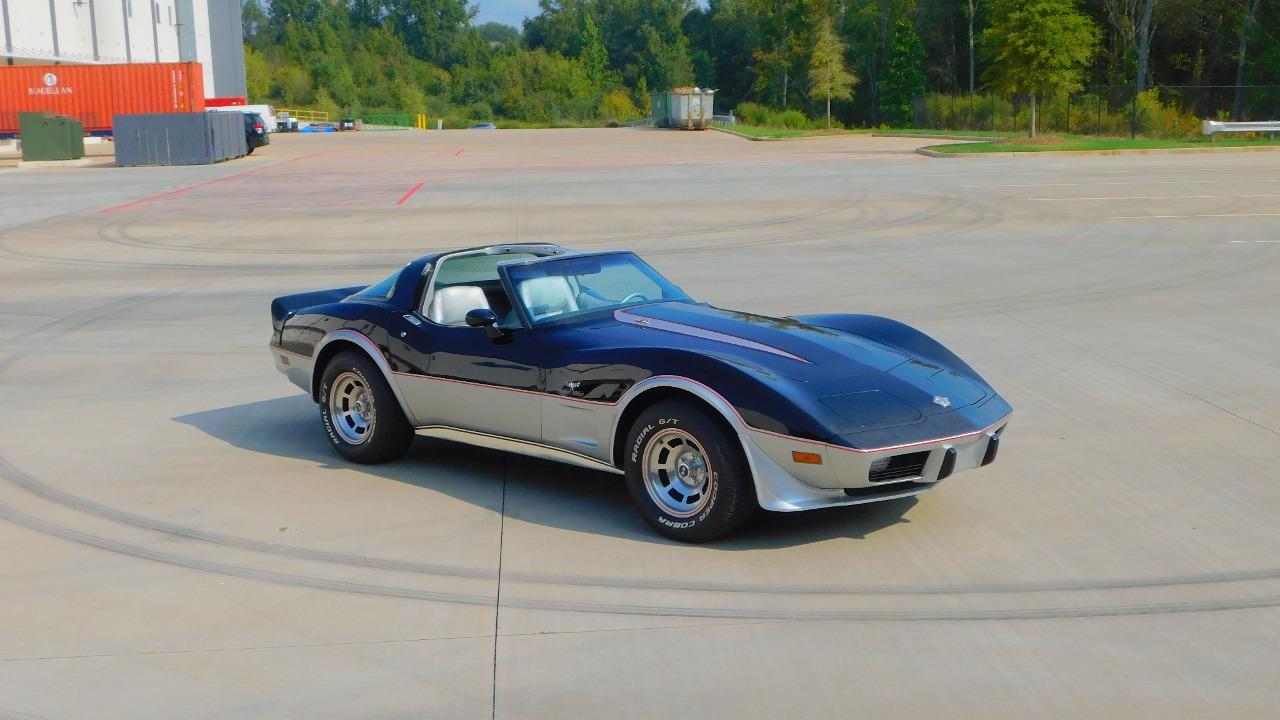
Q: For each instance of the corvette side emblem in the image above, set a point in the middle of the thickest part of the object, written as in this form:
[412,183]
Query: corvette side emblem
[940,400]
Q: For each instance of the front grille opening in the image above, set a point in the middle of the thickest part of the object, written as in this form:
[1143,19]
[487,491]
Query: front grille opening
[898,467]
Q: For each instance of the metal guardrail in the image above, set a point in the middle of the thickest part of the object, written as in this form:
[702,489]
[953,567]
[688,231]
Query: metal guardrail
[724,119]
[1211,127]
[304,115]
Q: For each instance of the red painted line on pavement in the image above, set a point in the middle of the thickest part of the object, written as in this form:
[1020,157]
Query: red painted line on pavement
[205,183]
[409,194]
[459,152]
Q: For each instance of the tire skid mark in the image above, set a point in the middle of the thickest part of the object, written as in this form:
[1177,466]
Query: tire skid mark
[219,568]
[647,610]
[205,183]
[117,233]
[243,268]
[26,481]
[67,324]
[940,207]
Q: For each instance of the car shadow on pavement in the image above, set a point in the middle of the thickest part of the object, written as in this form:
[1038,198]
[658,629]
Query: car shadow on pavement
[537,491]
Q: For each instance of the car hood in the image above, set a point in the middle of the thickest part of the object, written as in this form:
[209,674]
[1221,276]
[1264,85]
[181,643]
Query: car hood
[787,347]
[860,382]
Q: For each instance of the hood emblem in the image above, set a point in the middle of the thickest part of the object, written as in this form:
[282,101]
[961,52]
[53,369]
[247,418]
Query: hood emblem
[941,400]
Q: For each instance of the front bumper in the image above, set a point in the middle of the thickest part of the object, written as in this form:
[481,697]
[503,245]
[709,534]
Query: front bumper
[843,477]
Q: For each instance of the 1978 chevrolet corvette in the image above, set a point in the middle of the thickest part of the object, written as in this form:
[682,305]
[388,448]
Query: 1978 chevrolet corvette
[597,360]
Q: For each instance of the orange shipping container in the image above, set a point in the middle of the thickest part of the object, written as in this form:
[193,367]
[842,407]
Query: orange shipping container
[94,93]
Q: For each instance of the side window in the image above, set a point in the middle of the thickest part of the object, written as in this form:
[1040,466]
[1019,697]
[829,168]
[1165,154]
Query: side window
[466,279]
[378,291]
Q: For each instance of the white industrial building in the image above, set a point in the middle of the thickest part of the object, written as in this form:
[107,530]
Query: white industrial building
[40,32]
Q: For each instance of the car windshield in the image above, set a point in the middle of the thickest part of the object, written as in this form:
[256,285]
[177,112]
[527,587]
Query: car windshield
[575,285]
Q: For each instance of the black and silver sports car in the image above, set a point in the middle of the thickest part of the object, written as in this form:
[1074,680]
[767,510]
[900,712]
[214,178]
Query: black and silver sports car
[597,360]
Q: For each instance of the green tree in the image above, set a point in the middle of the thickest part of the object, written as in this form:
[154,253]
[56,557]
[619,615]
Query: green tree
[829,77]
[292,85]
[781,34]
[257,75]
[904,78]
[970,15]
[868,27]
[558,27]
[594,54]
[664,63]
[1248,16]
[253,20]
[1038,47]
[498,33]
[430,29]
[616,107]
[723,33]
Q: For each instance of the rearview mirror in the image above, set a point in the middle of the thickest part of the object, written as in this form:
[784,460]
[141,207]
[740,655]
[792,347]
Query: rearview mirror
[487,319]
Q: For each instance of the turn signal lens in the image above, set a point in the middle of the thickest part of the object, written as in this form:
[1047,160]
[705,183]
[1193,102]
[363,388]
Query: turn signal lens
[807,458]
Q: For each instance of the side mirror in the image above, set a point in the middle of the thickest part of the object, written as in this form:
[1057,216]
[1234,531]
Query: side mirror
[487,319]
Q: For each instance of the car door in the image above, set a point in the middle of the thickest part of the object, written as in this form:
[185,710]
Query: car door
[459,377]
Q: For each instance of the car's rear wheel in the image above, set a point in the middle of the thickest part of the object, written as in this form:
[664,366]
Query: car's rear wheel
[361,415]
[686,473]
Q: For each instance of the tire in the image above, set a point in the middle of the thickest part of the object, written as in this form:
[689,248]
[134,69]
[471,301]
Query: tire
[687,474]
[361,415]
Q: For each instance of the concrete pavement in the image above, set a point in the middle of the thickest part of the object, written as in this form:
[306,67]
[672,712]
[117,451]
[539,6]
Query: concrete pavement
[181,541]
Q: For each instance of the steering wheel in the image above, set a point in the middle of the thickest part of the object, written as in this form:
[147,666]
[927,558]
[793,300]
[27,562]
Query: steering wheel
[634,295]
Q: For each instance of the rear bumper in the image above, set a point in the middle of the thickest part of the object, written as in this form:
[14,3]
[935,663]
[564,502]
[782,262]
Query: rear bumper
[294,366]
[843,477]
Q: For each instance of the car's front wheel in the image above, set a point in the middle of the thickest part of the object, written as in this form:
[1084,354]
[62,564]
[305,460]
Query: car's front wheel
[687,474]
[361,415]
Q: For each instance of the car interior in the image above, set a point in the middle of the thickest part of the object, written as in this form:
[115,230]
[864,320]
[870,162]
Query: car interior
[466,282]
[470,281]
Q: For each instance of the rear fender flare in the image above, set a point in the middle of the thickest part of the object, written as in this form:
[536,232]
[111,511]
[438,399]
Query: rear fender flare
[370,349]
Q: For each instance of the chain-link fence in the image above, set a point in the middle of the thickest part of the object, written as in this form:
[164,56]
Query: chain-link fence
[1159,111]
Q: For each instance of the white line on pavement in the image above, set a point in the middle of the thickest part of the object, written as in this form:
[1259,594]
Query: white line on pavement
[1159,197]
[1090,184]
[1201,215]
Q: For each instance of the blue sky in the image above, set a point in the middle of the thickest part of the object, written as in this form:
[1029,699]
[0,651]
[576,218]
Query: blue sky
[510,12]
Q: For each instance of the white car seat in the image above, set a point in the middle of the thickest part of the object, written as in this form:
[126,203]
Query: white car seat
[547,296]
[450,305]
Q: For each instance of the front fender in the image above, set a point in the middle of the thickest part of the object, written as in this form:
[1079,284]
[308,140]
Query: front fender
[757,397]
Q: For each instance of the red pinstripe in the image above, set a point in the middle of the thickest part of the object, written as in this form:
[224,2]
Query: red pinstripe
[722,399]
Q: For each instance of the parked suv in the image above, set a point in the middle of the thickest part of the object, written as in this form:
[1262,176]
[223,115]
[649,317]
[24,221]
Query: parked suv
[255,131]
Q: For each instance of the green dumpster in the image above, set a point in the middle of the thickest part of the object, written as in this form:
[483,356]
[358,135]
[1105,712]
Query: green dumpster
[50,137]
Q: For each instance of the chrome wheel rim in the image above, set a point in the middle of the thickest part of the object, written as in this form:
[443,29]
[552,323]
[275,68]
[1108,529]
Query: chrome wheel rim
[351,408]
[677,473]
